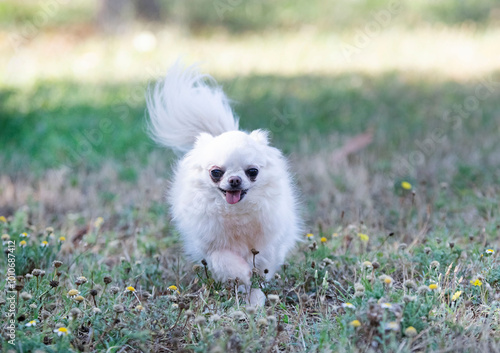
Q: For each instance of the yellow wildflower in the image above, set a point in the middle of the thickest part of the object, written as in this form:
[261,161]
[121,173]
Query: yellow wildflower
[62,331]
[130,289]
[363,237]
[490,251]
[433,286]
[410,331]
[456,295]
[5,237]
[309,235]
[62,239]
[367,264]
[79,298]
[24,235]
[44,244]
[72,293]
[406,185]
[355,323]
[323,240]
[98,222]
[386,279]
[348,305]
[31,323]
[476,282]
[174,289]
[22,243]
[3,219]
[386,305]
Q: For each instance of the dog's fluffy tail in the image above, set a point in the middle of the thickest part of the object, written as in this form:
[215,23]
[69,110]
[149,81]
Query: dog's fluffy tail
[185,104]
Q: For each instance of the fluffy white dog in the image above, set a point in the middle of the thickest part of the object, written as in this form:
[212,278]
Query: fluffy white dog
[232,192]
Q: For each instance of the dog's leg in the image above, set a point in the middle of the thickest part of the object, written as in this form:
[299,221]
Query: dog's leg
[256,297]
[226,264]
[253,296]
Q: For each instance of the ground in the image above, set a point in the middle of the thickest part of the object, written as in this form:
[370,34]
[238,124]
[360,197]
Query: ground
[392,136]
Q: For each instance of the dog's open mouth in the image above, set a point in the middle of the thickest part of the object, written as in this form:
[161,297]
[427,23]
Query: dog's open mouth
[233,196]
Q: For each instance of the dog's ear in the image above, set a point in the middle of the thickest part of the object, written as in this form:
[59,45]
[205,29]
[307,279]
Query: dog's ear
[261,136]
[202,139]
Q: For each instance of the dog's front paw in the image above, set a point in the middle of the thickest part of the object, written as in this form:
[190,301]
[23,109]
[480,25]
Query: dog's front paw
[256,297]
[226,264]
[253,296]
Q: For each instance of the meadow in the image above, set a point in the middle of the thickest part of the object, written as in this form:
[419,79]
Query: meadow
[388,112]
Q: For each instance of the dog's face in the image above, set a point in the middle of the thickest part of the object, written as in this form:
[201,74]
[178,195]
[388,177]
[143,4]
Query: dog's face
[234,182]
[235,166]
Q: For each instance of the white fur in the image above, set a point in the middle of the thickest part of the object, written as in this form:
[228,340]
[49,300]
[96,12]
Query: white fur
[182,106]
[188,115]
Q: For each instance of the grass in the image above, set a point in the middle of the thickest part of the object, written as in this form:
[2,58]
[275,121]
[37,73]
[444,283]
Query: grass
[387,268]
[434,293]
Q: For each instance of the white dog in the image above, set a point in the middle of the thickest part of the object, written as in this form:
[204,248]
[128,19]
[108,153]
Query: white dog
[232,191]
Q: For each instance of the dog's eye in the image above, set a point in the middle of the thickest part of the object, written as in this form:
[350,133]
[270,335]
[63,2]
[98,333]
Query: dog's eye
[216,174]
[252,173]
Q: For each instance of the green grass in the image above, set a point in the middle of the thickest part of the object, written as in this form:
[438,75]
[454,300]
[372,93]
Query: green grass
[14,14]
[97,125]
[200,315]
[74,151]
[439,235]
[55,121]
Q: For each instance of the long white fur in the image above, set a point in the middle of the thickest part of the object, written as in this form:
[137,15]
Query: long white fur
[183,105]
[188,115]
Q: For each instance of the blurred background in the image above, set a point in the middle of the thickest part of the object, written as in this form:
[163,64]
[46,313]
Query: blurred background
[361,95]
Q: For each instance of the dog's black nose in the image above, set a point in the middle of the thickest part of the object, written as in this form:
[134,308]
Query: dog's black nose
[235,181]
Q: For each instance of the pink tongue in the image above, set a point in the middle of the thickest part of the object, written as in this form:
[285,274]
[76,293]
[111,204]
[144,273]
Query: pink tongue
[233,197]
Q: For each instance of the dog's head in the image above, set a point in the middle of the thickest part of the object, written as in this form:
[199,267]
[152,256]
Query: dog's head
[235,165]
